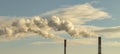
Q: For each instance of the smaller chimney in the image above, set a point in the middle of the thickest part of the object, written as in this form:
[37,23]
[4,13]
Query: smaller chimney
[65,45]
[99,45]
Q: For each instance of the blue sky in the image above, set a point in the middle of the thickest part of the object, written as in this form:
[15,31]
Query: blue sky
[36,7]
[30,8]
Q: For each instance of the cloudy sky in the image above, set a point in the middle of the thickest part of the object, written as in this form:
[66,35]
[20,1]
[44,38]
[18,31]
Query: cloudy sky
[39,26]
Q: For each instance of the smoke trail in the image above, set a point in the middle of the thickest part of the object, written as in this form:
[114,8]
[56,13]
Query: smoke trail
[59,24]
[41,26]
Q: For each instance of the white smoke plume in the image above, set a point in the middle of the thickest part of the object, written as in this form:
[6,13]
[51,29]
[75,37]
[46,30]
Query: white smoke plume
[59,24]
[42,26]
[69,17]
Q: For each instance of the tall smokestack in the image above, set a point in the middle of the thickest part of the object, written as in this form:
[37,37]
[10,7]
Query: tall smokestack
[65,46]
[99,45]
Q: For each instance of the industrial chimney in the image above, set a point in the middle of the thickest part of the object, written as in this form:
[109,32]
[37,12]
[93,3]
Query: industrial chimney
[99,45]
[65,46]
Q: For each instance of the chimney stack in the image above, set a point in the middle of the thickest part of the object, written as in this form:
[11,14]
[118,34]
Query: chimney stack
[99,45]
[65,46]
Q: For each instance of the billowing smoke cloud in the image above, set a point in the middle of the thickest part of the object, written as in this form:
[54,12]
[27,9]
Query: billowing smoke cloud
[59,24]
[69,17]
[42,26]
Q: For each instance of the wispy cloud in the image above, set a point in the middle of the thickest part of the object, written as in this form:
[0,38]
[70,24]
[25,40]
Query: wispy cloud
[110,29]
[75,42]
[72,42]
[79,13]
[112,44]
[110,32]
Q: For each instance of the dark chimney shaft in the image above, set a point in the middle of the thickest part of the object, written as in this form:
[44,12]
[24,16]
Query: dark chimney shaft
[65,46]
[99,45]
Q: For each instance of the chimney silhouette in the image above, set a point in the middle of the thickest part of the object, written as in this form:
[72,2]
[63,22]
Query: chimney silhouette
[99,45]
[65,45]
